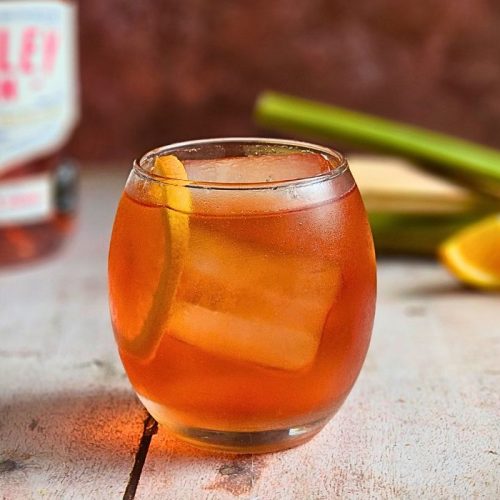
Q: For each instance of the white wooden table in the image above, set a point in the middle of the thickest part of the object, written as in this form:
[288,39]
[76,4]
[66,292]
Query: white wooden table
[423,420]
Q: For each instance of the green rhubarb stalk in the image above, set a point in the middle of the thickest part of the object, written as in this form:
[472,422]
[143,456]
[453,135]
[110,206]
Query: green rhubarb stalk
[465,162]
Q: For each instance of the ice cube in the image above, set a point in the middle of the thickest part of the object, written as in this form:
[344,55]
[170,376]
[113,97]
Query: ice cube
[255,169]
[261,170]
[240,338]
[249,303]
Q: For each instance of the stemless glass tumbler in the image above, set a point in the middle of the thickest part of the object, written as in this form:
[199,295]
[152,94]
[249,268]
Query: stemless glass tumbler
[242,289]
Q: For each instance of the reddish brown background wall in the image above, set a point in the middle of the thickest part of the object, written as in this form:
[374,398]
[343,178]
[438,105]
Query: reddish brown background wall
[158,71]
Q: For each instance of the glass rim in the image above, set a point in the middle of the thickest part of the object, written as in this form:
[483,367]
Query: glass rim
[328,153]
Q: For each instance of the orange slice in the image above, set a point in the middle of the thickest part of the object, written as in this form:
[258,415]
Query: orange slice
[176,199]
[473,254]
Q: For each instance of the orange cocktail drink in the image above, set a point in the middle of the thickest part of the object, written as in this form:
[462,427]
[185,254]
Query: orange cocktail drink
[242,289]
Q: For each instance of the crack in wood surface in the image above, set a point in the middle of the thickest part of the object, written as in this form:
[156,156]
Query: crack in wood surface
[149,430]
[9,466]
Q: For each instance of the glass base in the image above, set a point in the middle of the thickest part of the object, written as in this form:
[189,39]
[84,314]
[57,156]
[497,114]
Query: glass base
[264,441]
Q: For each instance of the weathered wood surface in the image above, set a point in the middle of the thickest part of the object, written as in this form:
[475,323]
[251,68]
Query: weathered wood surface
[423,421]
[68,422]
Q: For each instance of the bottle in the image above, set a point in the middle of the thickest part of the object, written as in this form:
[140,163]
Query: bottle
[38,112]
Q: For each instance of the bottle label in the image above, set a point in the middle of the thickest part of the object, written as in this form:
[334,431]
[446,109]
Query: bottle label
[26,200]
[38,89]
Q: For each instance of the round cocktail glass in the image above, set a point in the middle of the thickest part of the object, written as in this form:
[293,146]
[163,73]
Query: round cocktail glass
[242,289]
